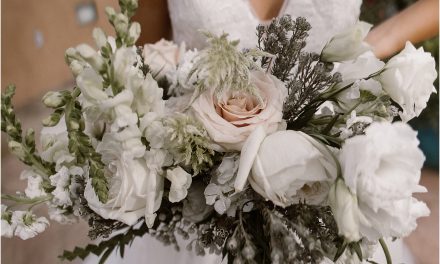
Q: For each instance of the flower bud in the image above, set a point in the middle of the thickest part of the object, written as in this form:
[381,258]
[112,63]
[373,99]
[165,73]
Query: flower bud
[99,37]
[121,24]
[76,67]
[53,99]
[110,12]
[345,209]
[17,149]
[52,120]
[248,252]
[90,56]
[133,33]
[347,45]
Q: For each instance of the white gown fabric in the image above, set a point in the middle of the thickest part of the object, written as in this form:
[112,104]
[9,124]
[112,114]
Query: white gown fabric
[238,19]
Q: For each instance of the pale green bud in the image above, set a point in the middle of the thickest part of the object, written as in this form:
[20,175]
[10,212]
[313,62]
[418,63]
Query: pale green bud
[74,125]
[121,24]
[76,67]
[110,12]
[30,137]
[52,120]
[53,99]
[17,149]
[133,33]
[99,37]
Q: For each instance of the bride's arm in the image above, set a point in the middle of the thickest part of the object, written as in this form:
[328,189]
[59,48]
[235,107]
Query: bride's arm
[416,23]
[154,19]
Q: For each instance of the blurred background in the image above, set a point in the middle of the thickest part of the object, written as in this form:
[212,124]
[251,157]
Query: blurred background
[35,35]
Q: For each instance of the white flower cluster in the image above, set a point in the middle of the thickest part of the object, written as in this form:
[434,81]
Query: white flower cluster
[23,224]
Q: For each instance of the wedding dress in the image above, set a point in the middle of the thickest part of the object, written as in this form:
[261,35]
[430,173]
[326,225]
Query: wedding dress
[238,19]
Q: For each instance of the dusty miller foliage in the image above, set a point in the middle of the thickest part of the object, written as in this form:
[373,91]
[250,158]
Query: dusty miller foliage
[306,77]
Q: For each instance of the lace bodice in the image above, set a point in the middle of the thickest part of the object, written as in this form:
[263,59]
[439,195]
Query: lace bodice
[237,18]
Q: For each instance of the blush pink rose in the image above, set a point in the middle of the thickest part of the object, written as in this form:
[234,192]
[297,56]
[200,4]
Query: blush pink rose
[231,119]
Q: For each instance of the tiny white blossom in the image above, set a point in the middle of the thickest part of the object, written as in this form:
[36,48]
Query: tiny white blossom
[34,188]
[28,225]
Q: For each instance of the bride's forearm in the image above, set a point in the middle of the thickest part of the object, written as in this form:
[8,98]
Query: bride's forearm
[416,23]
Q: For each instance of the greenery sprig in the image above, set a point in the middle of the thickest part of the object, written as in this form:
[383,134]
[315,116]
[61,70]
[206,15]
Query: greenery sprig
[81,147]
[223,67]
[22,146]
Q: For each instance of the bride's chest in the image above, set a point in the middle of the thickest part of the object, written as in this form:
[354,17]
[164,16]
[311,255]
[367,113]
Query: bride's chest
[238,18]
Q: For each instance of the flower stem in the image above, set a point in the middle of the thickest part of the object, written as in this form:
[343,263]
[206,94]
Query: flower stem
[385,251]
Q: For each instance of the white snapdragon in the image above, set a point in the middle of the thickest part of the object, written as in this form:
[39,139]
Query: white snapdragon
[8,226]
[88,54]
[99,37]
[62,181]
[347,45]
[123,63]
[34,188]
[382,168]
[148,97]
[180,182]
[55,143]
[153,129]
[28,225]
[408,78]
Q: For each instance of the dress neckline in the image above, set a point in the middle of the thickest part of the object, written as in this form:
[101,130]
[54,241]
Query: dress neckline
[251,9]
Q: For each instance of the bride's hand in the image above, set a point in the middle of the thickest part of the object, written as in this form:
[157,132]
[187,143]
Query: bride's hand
[416,23]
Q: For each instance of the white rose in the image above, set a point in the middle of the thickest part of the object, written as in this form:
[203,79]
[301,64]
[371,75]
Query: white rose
[287,166]
[162,56]
[408,78]
[382,168]
[231,120]
[180,182]
[347,45]
[135,191]
[148,97]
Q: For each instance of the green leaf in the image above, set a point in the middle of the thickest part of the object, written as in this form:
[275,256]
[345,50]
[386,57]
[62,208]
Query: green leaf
[358,250]
[340,251]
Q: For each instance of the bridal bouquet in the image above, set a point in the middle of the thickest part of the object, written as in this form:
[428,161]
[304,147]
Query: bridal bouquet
[268,155]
